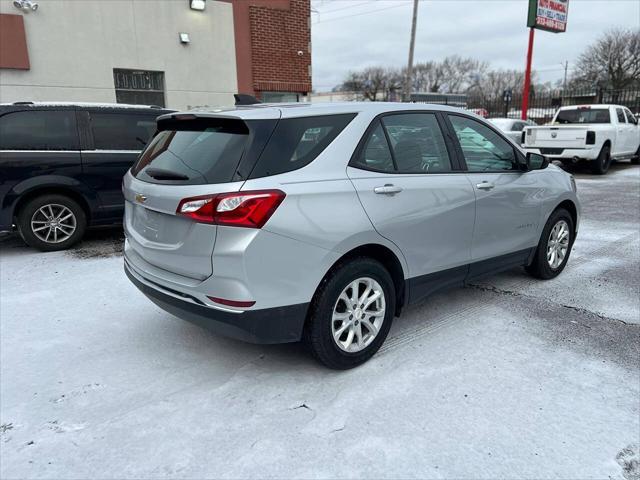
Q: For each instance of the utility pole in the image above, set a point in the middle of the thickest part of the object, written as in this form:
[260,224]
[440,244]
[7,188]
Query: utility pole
[406,94]
[566,68]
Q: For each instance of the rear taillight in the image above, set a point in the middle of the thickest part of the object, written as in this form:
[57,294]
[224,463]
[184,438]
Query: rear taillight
[239,209]
[591,138]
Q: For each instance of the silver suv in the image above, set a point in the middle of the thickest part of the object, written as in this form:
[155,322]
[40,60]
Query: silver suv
[276,223]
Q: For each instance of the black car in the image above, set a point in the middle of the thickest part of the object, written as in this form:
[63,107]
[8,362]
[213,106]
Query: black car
[61,166]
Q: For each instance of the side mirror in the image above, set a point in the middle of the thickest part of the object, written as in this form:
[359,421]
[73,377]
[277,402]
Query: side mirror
[535,161]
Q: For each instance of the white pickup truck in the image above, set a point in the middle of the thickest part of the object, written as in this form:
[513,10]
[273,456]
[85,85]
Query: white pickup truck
[595,133]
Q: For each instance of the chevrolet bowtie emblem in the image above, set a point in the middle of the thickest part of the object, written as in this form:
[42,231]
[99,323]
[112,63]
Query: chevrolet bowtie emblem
[140,198]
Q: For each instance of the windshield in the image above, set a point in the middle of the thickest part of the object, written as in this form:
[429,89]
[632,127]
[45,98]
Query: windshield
[583,115]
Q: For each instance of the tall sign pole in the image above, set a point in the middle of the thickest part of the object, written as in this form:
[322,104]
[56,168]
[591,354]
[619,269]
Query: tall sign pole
[406,94]
[527,75]
[549,15]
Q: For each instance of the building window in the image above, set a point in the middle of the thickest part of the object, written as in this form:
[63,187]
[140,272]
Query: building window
[279,97]
[140,87]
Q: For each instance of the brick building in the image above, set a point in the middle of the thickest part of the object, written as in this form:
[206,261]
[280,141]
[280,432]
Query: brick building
[175,53]
[273,48]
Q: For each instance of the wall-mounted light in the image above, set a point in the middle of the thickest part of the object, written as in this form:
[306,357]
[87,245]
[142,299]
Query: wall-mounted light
[197,4]
[184,38]
[27,6]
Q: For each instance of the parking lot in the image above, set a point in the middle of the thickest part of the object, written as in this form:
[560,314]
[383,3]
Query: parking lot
[511,377]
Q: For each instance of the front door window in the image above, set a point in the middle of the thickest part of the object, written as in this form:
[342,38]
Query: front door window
[483,149]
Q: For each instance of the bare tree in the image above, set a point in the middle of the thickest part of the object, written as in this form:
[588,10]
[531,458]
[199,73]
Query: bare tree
[613,61]
[374,83]
[426,77]
[452,75]
[492,84]
[460,73]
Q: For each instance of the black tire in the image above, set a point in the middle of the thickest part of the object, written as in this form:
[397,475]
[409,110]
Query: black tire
[635,160]
[601,165]
[318,333]
[540,267]
[26,214]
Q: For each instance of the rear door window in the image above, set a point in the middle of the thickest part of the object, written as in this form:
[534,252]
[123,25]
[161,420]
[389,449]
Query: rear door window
[121,131]
[417,143]
[620,114]
[296,142]
[375,154]
[39,130]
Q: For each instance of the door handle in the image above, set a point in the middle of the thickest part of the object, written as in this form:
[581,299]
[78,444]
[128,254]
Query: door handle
[388,189]
[485,186]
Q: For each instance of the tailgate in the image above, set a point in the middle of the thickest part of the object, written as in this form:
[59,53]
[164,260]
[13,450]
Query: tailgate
[188,157]
[163,238]
[556,137]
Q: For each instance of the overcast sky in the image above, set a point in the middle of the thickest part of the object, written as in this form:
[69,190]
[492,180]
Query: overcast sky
[352,34]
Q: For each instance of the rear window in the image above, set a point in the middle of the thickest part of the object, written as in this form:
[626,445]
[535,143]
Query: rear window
[585,115]
[219,150]
[194,152]
[39,130]
[121,131]
[296,142]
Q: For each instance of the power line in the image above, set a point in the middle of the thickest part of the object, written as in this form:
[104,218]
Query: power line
[344,8]
[362,13]
[553,69]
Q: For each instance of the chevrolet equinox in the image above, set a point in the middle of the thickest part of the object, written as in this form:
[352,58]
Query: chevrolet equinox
[279,223]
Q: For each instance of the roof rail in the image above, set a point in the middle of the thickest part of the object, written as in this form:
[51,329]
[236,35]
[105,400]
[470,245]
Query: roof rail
[23,103]
[244,99]
[156,106]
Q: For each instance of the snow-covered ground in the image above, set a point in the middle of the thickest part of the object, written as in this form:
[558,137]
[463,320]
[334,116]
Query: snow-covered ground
[509,378]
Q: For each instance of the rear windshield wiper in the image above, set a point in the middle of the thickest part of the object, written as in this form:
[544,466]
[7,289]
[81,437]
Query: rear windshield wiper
[161,174]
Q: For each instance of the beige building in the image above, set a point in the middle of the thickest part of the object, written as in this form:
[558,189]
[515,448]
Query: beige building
[160,52]
[98,50]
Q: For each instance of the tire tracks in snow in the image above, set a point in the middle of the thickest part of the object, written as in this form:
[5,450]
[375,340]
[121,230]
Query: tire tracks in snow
[509,291]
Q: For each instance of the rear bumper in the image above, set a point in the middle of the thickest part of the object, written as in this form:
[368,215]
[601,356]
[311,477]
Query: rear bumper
[264,326]
[568,153]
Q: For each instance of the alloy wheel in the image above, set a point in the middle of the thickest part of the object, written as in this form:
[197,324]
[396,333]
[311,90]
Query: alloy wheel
[358,315]
[53,223]
[558,244]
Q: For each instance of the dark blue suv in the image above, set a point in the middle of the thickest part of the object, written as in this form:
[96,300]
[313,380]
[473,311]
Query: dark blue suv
[61,166]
